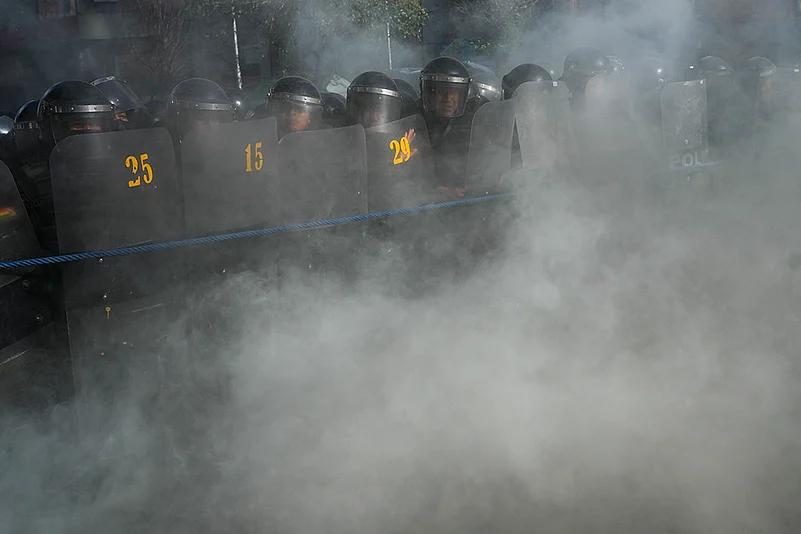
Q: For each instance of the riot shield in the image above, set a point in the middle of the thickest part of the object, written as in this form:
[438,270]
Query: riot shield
[399,161]
[787,90]
[17,237]
[684,125]
[606,123]
[490,155]
[227,177]
[123,312]
[542,112]
[322,174]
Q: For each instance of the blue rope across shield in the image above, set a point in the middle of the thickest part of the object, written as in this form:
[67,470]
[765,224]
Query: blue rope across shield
[125,251]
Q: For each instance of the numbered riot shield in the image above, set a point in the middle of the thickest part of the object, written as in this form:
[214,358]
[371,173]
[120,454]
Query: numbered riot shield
[606,123]
[322,175]
[115,190]
[684,125]
[542,112]
[227,177]
[399,162]
[490,155]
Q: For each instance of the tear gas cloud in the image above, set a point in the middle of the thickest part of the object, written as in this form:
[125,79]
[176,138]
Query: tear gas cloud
[623,363]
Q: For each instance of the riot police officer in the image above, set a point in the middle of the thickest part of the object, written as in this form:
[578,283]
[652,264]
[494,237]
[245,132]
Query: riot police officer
[197,103]
[444,85]
[296,105]
[335,110]
[763,70]
[527,72]
[374,99]
[66,109]
[129,112]
[649,76]
[73,108]
[725,101]
[26,130]
[580,66]
[409,97]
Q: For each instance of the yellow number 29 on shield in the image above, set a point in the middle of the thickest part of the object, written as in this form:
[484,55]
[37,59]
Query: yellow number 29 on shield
[402,150]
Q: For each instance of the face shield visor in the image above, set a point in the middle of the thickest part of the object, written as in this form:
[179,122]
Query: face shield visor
[373,106]
[26,136]
[64,125]
[444,96]
[295,113]
[488,92]
[190,116]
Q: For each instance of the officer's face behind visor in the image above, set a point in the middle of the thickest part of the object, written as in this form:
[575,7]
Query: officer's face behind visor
[295,116]
[446,99]
[200,119]
[75,124]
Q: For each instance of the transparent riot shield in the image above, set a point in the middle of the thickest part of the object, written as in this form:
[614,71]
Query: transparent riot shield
[544,129]
[490,155]
[124,313]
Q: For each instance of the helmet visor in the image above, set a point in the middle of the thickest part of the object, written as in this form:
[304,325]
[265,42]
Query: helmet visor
[67,124]
[294,116]
[444,99]
[371,109]
[200,119]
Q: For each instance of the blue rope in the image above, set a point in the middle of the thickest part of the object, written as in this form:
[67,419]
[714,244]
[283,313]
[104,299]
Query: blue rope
[66,258]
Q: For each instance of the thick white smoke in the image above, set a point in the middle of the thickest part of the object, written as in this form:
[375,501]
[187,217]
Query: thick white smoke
[623,363]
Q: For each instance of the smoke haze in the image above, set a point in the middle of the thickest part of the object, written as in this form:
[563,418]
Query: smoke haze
[623,363]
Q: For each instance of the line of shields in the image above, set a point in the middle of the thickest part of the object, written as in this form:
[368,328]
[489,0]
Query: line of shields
[130,327]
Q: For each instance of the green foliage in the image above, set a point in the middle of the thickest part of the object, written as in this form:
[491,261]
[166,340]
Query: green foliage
[325,17]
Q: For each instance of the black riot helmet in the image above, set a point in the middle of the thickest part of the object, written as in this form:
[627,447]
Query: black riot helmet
[488,85]
[651,74]
[374,99]
[583,63]
[26,129]
[713,66]
[296,105]
[409,97]
[552,68]
[72,108]
[196,103]
[527,72]
[335,110]
[444,86]
[129,111]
